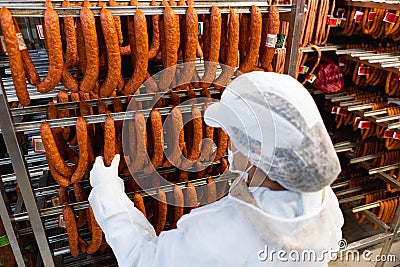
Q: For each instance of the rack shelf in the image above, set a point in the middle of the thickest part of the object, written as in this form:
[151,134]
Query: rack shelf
[391,5]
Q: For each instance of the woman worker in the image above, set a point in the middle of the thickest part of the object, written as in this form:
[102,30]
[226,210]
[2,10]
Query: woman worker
[280,211]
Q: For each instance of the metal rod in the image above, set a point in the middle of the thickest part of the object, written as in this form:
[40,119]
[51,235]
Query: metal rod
[350,103]
[371,205]
[342,98]
[120,116]
[359,107]
[21,171]
[383,169]
[387,118]
[375,112]
[240,7]
[394,126]
[350,191]
[365,158]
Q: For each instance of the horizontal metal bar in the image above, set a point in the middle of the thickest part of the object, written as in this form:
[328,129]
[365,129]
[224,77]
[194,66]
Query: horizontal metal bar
[359,107]
[349,51]
[344,143]
[335,95]
[351,199]
[109,101]
[394,126]
[33,158]
[384,60]
[326,48]
[339,185]
[120,116]
[391,65]
[371,205]
[342,98]
[343,149]
[383,169]
[350,103]
[387,118]
[375,112]
[52,211]
[365,158]
[375,56]
[20,10]
[350,191]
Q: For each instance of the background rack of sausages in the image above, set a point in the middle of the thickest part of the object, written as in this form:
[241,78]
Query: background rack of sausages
[82,93]
[365,124]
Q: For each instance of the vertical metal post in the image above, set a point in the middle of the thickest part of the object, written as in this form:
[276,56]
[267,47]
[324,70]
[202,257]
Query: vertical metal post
[295,19]
[23,178]
[12,237]
[389,242]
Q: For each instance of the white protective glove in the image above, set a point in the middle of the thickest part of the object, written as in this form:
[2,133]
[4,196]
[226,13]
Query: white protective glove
[101,175]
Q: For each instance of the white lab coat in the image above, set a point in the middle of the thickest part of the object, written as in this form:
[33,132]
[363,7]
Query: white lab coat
[233,231]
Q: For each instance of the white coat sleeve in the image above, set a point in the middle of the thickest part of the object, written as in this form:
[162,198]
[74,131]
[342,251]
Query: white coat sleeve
[127,231]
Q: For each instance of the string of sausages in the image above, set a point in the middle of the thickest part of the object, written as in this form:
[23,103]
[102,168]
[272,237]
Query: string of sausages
[97,49]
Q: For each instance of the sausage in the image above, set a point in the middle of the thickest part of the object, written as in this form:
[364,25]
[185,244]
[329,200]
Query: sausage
[121,83]
[71,49]
[197,124]
[80,196]
[222,144]
[244,33]
[54,50]
[68,80]
[178,205]
[63,195]
[273,29]
[81,133]
[113,55]
[139,204]
[91,49]
[141,142]
[175,125]
[14,57]
[224,38]
[29,67]
[211,191]
[155,39]
[211,63]
[161,208]
[190,197]
[191,40]
[62,97]
[86,111]
[138,40]
[170,35]
[97,234]
[109,141]
[207,143]
[80,43]
[51,114]
[117,22]
[72,230]
[150,84]
[250,60]
[52,152]
[231,57]
[157,138]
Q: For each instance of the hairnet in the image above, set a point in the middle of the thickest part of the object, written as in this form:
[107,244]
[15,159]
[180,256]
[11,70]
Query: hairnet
[272,119]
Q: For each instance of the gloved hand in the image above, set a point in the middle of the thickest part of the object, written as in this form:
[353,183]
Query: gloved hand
[100,174]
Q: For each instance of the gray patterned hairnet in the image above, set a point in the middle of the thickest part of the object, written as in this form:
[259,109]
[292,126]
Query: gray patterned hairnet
[272,119]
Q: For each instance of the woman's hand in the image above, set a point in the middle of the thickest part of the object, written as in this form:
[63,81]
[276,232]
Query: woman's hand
[100,174]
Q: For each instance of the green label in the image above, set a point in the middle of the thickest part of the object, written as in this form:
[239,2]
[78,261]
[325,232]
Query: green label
[280,40]
[4,241]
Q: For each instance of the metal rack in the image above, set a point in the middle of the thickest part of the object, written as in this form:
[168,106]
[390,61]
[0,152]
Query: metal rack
[33,197]
[391,231]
